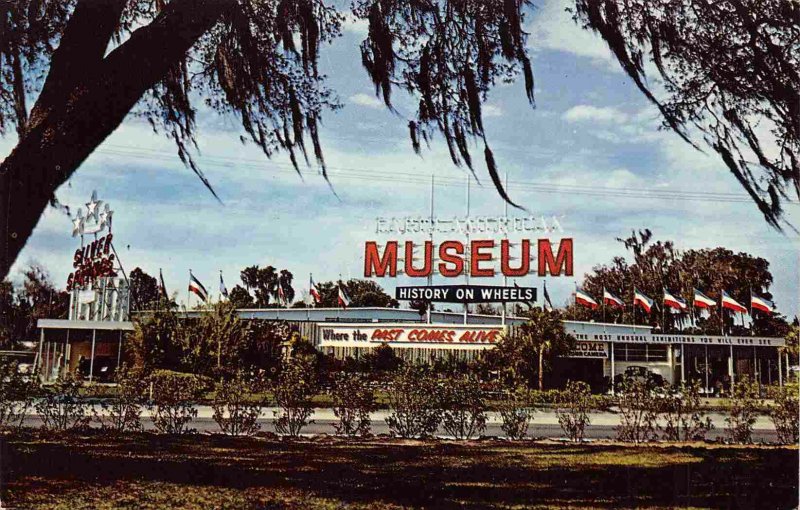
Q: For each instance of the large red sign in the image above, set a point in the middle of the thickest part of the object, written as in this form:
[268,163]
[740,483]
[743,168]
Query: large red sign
[92,261]
[452,259]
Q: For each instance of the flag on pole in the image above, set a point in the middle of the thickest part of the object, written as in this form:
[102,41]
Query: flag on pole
[582,298]
[281,295]
[197,287]
[731,304]
[161,286]
[611,299]
[644,302]
[547,301]
[222,289]
[312,289]
[344,299]
[703,301]
[762,304]
[674,302]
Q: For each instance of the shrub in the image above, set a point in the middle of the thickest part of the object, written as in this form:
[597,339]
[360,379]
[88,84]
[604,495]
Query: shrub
[743,412]
[61,407]
[174,395]
[294,389]
[638,412]
[463,404]
[235,411]
[572,409]
[685,421]
[515,412]
[414,403]
[353,400]
[785,415]
[123,412]
[17,392]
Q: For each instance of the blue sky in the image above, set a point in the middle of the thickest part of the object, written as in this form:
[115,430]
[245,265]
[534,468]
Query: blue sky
[591,128]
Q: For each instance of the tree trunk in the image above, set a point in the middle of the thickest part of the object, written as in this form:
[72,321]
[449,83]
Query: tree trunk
[541,368]
[50,152]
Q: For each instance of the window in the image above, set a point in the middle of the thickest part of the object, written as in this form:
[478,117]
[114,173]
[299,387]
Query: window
[640,352]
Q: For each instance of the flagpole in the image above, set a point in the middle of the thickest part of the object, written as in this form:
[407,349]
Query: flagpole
[663,312]
[604,306]
[721,314]
[188,293]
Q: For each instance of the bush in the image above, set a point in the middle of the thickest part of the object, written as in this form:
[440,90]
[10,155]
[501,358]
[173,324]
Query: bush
[235,411]
[515,412]
[785,415]
[743,412]
[573,408]
[463,404]
[681,408]
[123,412]
[174,396]
[294,389]
[638,412]
[414,403]
[17,392]
[353,400]
[61,407]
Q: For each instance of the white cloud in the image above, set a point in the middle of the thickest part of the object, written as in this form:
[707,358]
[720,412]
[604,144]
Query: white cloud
[366,100]
[492,111]
[553,29]
[584,112]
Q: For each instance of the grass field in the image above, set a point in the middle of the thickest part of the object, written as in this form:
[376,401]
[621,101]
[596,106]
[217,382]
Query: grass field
[203,472]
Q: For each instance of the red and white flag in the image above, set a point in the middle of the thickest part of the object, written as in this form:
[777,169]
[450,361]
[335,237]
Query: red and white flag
[582,298]
[611,299]
[644,302]
[703,301]
[762,304]
[731,304]
[344,299]
[197,288]
[312,289]
[674,302]
[281,295]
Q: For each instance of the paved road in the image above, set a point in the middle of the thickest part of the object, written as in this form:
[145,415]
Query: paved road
[544,424]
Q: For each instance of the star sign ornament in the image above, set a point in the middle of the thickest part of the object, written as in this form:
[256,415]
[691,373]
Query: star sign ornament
[93,207]
[77,223]
[105,217]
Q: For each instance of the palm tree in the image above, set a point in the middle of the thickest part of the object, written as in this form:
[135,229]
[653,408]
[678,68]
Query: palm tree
[544,333]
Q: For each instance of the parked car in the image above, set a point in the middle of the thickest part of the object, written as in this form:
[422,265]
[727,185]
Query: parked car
[641,374]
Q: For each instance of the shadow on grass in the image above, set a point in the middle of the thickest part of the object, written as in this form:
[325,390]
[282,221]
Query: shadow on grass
[432,474]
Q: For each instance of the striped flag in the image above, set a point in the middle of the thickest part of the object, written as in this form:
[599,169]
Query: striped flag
[674,302]
[312,289]
[344,299]
[731,304]
[762,304]
[281,296]
[197,287]
[611,299]
[162,287]
[223,290]
[703,301]
[644,302]
[547,302]
[582,298]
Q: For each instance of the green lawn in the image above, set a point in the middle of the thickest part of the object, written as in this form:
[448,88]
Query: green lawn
[201,472]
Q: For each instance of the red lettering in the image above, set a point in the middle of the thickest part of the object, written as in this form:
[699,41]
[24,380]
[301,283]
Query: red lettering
[428,258]
[478,257]
[525,258]
[378,265]
[446,258]
[555,265]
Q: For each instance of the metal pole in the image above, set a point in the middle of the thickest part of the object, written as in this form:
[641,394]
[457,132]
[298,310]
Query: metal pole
[467,260]
[430,276]
[505,278]
[683,363]
[91,359]
[119,349]
[611,346]
[780,370]
[755,366]
[706,370]
[730,368]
